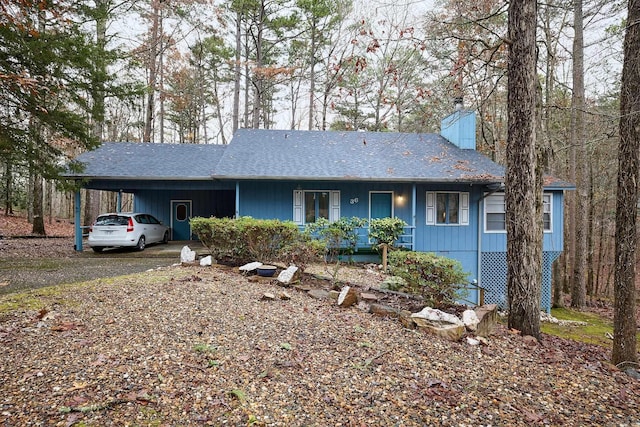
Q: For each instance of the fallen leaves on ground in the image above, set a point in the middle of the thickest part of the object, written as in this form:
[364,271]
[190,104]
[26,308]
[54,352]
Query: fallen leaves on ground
[198,346]
[17,225]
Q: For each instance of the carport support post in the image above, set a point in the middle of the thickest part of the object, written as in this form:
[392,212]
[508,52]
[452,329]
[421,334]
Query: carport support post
[119,202]
[78,226]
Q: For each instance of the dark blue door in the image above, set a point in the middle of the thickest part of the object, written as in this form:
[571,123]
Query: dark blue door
[180,216]
[381,205]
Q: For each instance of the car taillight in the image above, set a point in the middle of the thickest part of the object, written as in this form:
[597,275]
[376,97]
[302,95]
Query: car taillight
[130,225]
[91,228]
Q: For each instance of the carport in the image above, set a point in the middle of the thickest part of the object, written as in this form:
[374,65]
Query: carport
[161,184]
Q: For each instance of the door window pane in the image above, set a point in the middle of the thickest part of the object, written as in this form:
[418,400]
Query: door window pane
[181,212]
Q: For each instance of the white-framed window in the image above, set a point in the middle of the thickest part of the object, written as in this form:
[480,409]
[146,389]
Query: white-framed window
[447,208]
[311,205]
[495,213]
[547,201]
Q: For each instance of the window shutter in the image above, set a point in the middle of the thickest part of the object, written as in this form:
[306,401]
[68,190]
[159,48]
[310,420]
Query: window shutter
[334,206]
[431,208]
[464,208]
[297,207]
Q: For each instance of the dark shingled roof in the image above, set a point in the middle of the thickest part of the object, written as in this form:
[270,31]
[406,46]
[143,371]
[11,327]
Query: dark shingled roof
[115,160]
[352,156]
[299,155]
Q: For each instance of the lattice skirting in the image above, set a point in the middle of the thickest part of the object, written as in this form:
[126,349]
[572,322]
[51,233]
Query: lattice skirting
[494,278]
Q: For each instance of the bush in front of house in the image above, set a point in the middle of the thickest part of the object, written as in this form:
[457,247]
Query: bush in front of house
[223,237]
[386,230]
[246,239]
[339,236]
[440,280]
[265,238]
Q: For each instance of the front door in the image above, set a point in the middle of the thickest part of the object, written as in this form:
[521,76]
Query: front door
[180,216]
[381,205]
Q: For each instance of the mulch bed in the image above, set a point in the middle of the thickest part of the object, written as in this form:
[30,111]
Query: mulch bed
[199,346]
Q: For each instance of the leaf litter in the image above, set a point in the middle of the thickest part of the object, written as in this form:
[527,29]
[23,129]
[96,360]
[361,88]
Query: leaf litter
[197,346]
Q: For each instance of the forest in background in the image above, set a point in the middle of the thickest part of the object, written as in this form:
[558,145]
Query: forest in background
[195,71]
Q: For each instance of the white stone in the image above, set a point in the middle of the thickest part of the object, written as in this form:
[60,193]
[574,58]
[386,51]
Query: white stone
[206,261]
[473,341]
[286,276]
[470,320]
[187,255]
[437,316]
[251,266]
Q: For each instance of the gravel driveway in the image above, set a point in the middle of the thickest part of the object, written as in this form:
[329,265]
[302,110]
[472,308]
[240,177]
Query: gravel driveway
[30,263]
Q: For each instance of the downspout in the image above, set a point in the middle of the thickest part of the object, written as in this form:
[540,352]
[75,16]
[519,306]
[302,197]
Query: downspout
[413,216]
[237,199]
[479,251]
[77,229]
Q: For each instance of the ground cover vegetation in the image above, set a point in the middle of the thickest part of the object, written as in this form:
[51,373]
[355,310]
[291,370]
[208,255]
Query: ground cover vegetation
[191,345]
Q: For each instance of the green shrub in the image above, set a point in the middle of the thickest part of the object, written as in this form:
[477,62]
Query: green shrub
[223,237]
[440,280]
[386,230]
[340,235]
[265,238]
[238,241]
[303,251]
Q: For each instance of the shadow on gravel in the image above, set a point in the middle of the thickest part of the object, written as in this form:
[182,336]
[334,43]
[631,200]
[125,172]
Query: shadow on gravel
[36,263]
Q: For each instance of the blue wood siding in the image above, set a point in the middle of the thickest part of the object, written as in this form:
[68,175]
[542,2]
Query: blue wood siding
[552,241]
[204,203]
[274,200]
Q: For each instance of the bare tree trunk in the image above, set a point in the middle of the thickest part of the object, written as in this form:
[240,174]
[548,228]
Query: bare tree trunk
[578,285]
[38,210]
[247,81]
[312,74]
[8,187]
[624,317]
[524,237]
[237,74]
[152,68]
[590,237]
[258,76]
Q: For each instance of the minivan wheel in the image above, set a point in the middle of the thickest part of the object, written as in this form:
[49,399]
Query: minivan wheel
[165,238]
[141,243]
[97,249]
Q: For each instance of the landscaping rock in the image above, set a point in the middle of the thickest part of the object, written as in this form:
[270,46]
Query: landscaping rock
[437,322]
[368,296]
[451,332]
[318,293]
[285,296]
[473,341]
[187,255]
[268,296]
[487,319]
[250,266]
[470,320]
[206,261]
[406,320]
[348,297]
[384,310]
[290,275]
[437,317]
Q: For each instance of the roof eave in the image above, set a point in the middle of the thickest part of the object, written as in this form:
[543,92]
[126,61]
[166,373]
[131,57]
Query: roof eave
[140,178]
[358,179]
